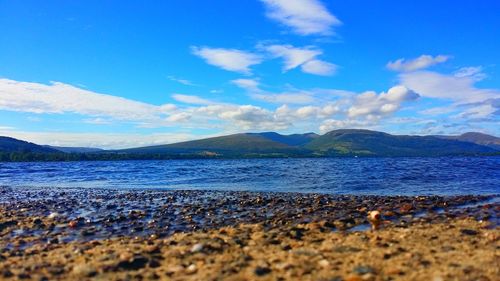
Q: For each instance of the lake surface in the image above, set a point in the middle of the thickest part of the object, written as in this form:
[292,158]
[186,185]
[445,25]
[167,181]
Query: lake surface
[380,176]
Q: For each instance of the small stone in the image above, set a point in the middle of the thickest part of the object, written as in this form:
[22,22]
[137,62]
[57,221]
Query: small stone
[261,271]
[23,275]
[197,248]
[87,232]
[174,269]
[54,241]
[405,208]
[191,269]
[137,262]
[7,273]
[53,215]
[394,271]
[324,263]
[84,270]
[363,269]
[470,232]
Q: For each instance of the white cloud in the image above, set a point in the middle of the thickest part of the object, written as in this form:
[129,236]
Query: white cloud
[190,99]
[474,72]
[97,121]
[181,81]
[247,84]
[228,59]
[292,56]
[319,67]
[472,104]
[305,57]
[63,98]
[242,117]
[99,140]
[421,62]
[252,86]
[438,110]
[448,87]
[287,98]
[198,113]
[179,117]
[369,104]
[6,128]
[304,17]
[334,124]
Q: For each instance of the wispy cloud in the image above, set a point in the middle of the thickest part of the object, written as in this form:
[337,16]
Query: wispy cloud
[63,98]
[304,17]
[228,59]
[305,58]
[181,81]
[190,99]
[474,72]
[450,87]
[98,121]
[319,67]
[99,140]
[248,84]
[472,104]
[252,86]
[424,61]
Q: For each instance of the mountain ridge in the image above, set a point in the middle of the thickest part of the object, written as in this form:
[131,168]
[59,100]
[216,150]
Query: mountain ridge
[336,143]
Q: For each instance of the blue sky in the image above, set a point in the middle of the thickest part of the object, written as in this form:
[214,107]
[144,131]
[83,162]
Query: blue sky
[118,74]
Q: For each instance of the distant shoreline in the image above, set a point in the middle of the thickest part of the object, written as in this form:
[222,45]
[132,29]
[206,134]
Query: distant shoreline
[71,157]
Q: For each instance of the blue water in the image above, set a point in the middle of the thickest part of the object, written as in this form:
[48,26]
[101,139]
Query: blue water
[383,176]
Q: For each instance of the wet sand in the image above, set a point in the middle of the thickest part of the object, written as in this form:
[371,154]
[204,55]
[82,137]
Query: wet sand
[53,234]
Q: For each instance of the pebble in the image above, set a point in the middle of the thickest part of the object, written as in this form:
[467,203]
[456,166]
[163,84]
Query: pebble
[84,270]
[324,263]
[135,263]
[468,232]
[363,269]
[300,235]
[191,269]
[197,248]
[53,215]
[261,271]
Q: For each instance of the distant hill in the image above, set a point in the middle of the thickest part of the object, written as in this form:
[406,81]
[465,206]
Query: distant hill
[292,140]
[8,145]
[338,143]
[74,149]
[237,144]
[477,138]
[372,143]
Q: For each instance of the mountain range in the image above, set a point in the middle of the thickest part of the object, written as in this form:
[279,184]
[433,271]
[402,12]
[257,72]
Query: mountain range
[337,143]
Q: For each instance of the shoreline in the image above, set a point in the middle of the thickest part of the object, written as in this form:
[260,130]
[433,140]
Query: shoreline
[216,235]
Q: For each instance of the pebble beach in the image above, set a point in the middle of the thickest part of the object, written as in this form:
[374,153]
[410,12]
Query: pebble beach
[105,234]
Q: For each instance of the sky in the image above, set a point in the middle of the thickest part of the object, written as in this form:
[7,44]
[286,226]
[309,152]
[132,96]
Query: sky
[117,74]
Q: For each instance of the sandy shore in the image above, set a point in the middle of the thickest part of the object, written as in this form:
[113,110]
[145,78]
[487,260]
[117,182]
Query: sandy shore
[191,235]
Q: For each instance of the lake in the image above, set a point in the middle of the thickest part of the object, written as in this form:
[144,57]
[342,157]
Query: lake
[379,176]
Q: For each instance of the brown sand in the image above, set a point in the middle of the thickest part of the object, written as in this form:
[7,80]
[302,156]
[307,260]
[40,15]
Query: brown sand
[453,249]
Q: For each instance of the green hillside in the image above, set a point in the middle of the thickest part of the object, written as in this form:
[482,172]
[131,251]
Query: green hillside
[292,140]
[338,143]
[477,138]
[8,145]
[372,143]
[237,144]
